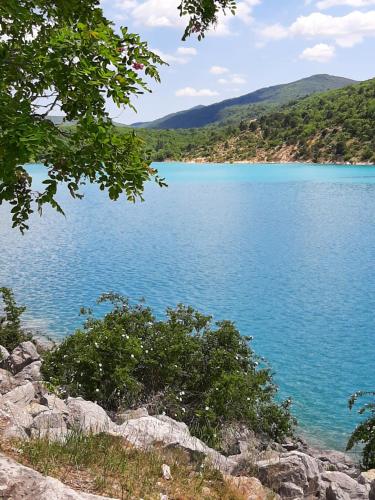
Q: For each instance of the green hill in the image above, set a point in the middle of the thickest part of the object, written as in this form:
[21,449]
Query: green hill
[249,105]
[334,126]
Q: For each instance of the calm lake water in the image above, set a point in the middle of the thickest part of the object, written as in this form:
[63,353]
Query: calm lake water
[287,252]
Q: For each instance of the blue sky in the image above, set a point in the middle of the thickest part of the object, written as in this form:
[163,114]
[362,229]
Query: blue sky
[266,43]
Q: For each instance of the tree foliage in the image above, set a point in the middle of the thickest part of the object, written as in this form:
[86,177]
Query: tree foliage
[68,56]
[11,331]
[364,433]
[203,374]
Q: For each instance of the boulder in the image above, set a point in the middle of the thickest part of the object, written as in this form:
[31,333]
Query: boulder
[249,488]
[18,481]
[334,492]
[130,414]
[371,495]
[21,395]
[55,404]
[43,344]
[49,424]
[145,432]
[15,422]
[4,353]
[340,483]
[21,356]
[31,373]
[291,490]
[87,416]
[292,467]
[367,478]
[35,408]
[332,460]
[7,381]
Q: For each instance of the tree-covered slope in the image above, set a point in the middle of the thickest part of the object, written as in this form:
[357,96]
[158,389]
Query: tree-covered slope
[334,126]
[249,105]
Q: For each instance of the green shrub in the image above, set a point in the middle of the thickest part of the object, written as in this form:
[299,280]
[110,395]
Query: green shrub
[203,374]
[11,332]
[364,432]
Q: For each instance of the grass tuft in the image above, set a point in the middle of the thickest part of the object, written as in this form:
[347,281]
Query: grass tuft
[106,465]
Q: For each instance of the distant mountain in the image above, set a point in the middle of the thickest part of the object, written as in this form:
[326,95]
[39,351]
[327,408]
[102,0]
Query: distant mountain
[248,105]
[60,120]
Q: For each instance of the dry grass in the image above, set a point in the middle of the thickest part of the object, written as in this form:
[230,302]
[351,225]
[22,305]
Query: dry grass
[105,465]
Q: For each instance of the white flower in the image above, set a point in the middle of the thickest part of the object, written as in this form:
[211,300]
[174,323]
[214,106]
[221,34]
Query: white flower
[248,399]
[96,390]
[183,409]
[100,364]
[207,408]
[132,356]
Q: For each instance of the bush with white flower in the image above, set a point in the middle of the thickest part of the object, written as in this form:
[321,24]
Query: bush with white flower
[185,366]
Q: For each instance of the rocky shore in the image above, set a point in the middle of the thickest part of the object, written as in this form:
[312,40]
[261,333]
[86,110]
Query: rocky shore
[292,470]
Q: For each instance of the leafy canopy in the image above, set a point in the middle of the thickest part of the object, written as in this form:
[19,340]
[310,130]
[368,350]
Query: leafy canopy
[11,331]
[202,373]
[364,433]
[64,55]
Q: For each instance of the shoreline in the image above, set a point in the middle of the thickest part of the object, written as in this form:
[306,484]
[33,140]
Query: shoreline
[267,163]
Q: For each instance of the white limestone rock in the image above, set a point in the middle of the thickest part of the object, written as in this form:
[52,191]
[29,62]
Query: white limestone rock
[20,482]
[4,353]
[21,356]
[87,416]
[31,373]
[291,468]
[336,481]
[145,432]
[21,395]
[7,381]
[15,422]
[49,424]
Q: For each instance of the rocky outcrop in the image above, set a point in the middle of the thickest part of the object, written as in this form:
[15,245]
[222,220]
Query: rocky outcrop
[250,488]
[145,432]
[338,485]
[18,481]
[87,416]
[293,470]
[4,353]
[21,356]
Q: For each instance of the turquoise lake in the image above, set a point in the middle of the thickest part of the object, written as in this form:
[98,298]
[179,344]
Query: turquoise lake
[285,251]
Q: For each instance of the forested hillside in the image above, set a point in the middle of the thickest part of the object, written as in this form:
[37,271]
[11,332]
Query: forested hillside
[249,105]
[335,126]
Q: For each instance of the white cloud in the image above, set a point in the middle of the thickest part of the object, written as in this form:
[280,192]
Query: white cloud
[171,58]
[327,4]
[182,55]
[274,32]
[155,13]
[346,31]
[321,53]
[187,51]
[191,92]
[164,13]
[218,70]
[232,80]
